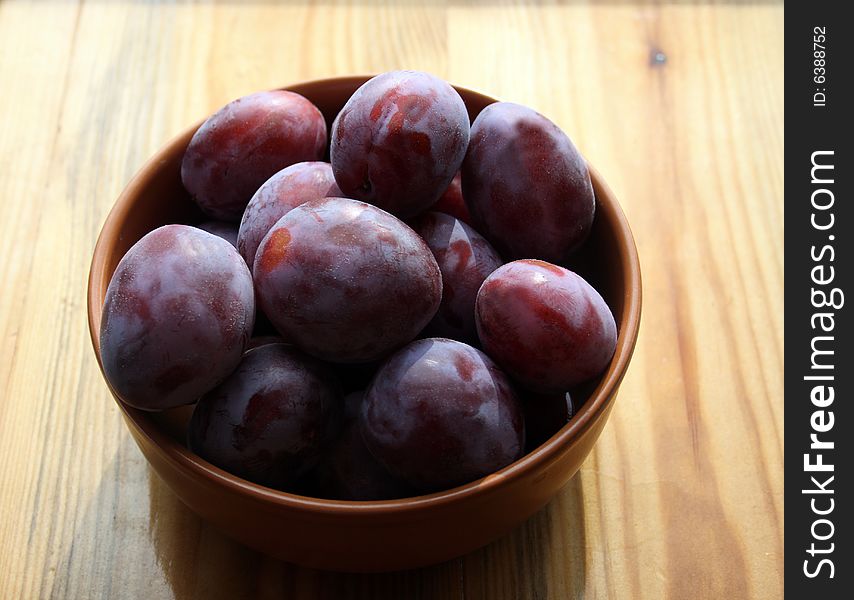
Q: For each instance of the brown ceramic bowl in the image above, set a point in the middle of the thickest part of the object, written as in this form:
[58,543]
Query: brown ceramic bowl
[365,536]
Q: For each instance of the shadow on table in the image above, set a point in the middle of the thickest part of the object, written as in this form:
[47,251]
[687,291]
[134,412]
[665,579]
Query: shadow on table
[198,561]
[133,538]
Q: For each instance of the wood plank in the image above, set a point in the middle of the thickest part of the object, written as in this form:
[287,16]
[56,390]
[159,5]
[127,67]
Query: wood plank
[682,496]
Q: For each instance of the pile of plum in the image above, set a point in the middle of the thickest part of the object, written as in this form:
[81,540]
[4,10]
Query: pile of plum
[418,325]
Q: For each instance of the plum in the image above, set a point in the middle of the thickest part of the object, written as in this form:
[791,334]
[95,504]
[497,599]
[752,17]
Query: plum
[440,413]
[347,471]
[465,258]
[346,281]
[263,340]
[270,420]
[545,325]
[244,143]
[176,318]
[451,202]
[285,190]
[526,185]
[399,140]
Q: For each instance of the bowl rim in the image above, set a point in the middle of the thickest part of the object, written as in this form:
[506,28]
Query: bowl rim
[184,460]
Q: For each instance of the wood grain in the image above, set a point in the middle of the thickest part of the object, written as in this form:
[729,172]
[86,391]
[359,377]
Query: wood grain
[683,496]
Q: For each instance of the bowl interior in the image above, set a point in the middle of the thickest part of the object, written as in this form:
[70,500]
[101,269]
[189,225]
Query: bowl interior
[156,197]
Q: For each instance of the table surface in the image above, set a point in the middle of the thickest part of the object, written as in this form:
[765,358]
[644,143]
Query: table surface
[680,107]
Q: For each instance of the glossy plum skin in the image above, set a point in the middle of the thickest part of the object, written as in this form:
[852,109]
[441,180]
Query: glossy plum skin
[399,140]
[545,414]
[451,202]
[244,143]
[284,191]
[347,471]
[269,421]
[465,259]
[545,325]
[526,185]
[346,281]
[176,319]
[227,231]
[440,413]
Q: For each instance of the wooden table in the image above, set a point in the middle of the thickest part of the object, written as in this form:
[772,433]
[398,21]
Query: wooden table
[678,105]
